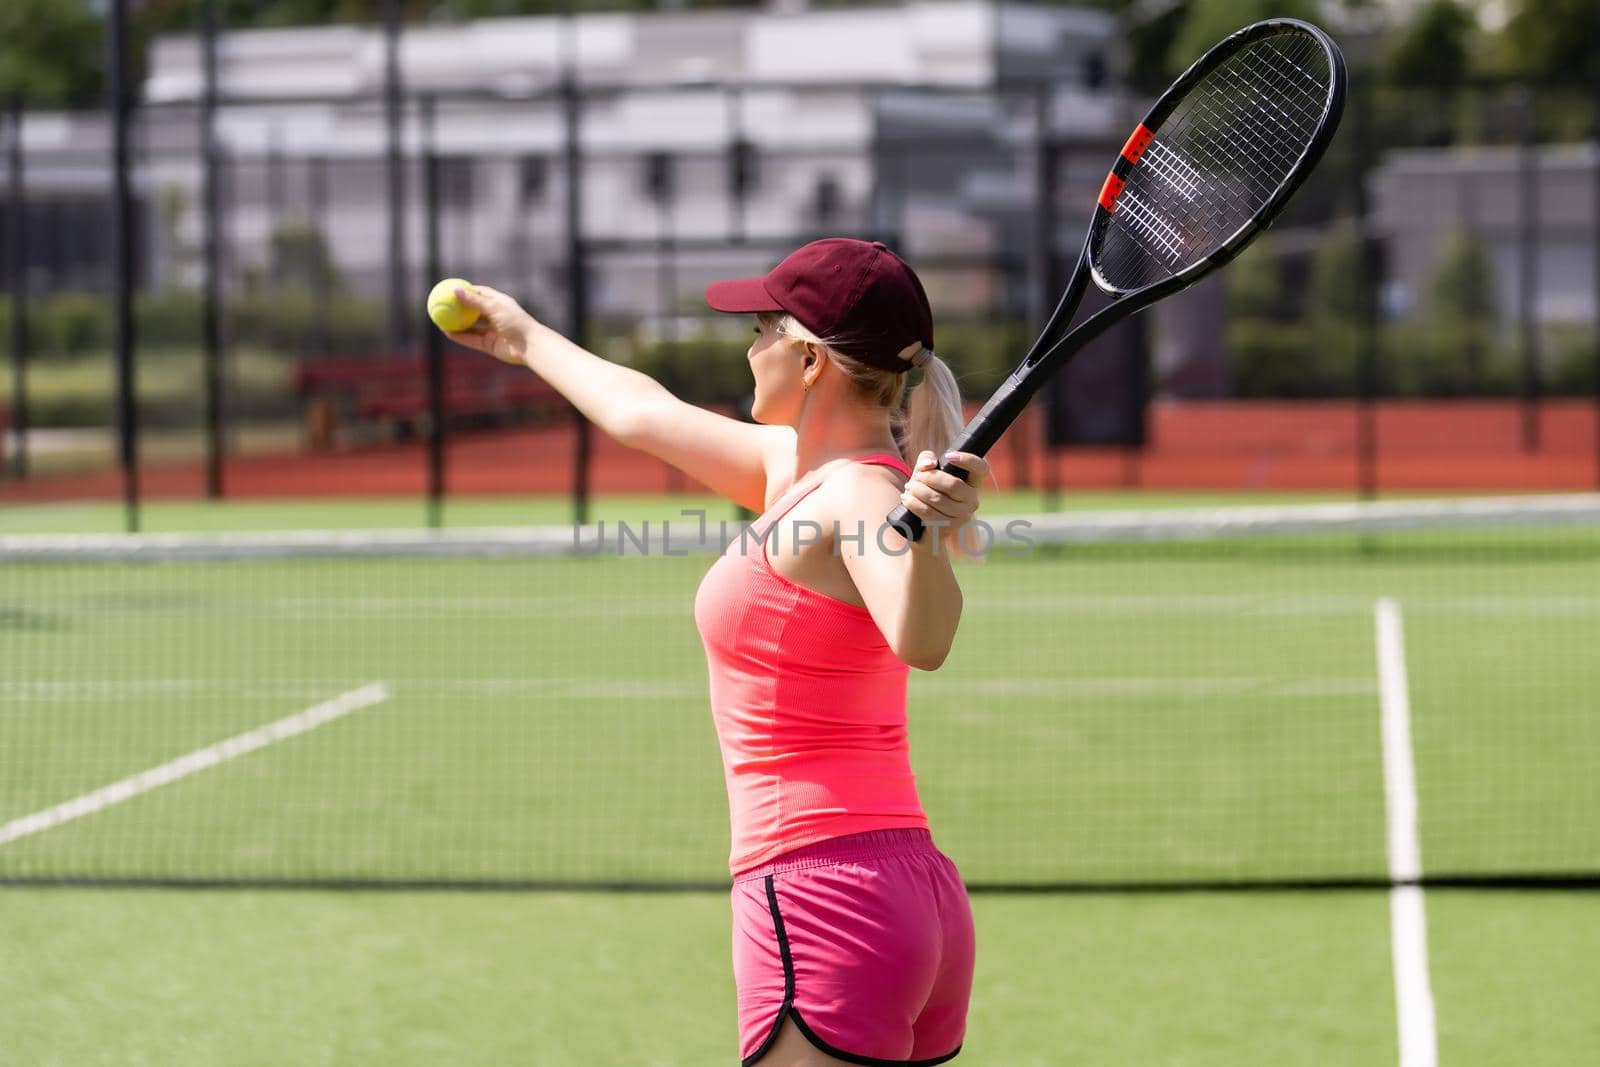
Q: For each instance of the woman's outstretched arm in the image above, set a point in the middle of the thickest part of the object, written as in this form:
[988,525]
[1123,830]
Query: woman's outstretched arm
[730,456]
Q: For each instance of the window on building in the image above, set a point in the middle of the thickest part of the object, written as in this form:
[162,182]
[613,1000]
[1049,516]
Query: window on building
[658,176]
[828,199]
[457,180]
[743,168]
[1094,70]
[533,178]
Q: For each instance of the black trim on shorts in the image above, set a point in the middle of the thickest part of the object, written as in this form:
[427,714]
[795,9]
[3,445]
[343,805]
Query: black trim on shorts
[788,976]
[788,1009]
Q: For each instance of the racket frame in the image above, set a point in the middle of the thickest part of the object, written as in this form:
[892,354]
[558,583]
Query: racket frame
[1049,352]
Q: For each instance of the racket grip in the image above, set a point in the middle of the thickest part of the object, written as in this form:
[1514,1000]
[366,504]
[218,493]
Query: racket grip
[909,523]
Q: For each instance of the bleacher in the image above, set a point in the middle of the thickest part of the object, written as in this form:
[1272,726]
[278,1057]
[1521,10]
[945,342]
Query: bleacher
[389,393]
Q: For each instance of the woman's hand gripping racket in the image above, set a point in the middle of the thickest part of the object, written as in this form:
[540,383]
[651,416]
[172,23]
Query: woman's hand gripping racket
[1210,166]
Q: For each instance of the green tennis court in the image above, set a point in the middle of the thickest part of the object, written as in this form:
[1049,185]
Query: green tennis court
[352,705]
[1213,979]
[1143,717]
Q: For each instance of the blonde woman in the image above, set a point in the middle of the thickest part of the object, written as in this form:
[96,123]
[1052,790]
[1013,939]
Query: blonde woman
[852,934]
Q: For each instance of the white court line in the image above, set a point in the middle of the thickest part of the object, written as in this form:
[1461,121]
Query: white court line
[198,760]
[1408,922]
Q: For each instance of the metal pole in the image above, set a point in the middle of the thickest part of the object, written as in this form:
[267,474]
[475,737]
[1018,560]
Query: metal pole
[17,266]
[877,203]
[399,315]
[273,166]
[1046,288]
[434,342]
[1594,238]
[1367,385]
[1528,272]
[577,280]
[667,281]
[120,103]
[322,282]
[211,301]
[739,163]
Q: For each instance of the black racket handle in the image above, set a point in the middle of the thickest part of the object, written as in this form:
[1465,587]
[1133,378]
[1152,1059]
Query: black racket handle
[978,437]
[909,523]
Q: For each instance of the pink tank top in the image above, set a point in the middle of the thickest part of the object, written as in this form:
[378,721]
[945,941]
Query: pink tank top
[808,700]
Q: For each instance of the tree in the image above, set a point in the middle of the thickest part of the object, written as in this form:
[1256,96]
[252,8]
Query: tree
[49,52]
[1336,294]
[1554,40]
[1336,298]
[1436,47]
[1255,282]
[1462,286]
[1460,305]
[300,259]
[1209,21]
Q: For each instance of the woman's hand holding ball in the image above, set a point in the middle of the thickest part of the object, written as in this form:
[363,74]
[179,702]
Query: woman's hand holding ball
[476,316]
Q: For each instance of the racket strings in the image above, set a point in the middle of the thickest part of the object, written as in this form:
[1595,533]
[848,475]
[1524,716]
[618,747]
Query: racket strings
[1243,130]
[1282,116]
[1152,228]
[1219,157]
[1182,176]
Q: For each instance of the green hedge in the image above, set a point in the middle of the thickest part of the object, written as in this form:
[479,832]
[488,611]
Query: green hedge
[77,323]
[1271,359]
[703,370]
[1436,355]
[80,391]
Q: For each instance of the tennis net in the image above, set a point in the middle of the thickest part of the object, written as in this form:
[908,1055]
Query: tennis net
[1143,698]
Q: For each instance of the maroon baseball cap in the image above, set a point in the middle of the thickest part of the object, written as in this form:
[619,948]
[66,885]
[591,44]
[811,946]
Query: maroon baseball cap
[856,293]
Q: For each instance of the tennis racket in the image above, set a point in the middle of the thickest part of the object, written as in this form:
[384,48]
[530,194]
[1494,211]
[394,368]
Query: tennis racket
[1208,169]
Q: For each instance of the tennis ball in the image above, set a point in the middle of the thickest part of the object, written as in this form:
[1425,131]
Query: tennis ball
[445,311]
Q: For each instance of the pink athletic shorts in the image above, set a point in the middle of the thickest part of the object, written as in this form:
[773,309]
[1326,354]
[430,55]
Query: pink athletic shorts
[866,941]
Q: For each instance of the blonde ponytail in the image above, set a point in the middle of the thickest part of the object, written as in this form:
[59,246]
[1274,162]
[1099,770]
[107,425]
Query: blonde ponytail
[930,423]
[933,415]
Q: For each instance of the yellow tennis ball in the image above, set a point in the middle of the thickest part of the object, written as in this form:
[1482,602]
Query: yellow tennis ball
[447,312]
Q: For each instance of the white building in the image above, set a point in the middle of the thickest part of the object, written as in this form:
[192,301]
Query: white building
[888,120]
[1422,198]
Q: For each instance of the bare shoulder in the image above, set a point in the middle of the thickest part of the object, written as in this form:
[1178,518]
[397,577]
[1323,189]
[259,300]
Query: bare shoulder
[861,491]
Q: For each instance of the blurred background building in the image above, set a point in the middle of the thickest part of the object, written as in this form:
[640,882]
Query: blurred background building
[698,127]
[603,165]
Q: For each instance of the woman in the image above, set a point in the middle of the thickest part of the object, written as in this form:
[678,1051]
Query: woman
[853,938]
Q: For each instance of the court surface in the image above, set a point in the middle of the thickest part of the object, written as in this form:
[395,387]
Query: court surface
[1112,716]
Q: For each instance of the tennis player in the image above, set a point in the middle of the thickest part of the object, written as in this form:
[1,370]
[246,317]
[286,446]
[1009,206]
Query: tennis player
[852,934]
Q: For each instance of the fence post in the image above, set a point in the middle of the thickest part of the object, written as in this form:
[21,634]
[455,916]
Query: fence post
[399,305]
[663,188]
[120,101]
[741,161]
[17,264]
[1528,268]
[1594,238]
[211,299]
[1045,286]
[322,282]
[273,169]
[1367,384]
[434,341]
[577,284]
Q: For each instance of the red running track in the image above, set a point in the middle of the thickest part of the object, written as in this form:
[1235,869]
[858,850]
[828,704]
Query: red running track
[1465,446]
